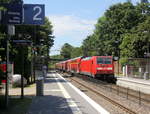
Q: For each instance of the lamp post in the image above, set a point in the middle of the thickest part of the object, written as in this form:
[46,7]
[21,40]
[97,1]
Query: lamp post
[147,55]
[118,53]
[146,74]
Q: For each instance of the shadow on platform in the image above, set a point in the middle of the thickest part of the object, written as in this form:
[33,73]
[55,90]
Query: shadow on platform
[49,105]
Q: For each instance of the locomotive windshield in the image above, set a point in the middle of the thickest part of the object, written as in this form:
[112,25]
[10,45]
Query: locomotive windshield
[104,61]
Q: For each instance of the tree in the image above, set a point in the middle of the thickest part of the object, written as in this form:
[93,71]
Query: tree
[99,36]
[42,40]
[76,52]
[89,46]
[144,1]
[66,51]
[109,30]
[136,43]
[121,18]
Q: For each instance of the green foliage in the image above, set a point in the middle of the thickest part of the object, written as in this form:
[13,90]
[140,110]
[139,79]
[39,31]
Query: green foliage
[89,46]
[66,51]
[41,38]
[76,52]
[44,38]
[56,57]
[122,31]
[5,1]
[136,43]
[129,61]
[123,61]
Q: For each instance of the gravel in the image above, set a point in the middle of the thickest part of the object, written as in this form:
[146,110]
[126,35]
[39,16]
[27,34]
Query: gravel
[135,106]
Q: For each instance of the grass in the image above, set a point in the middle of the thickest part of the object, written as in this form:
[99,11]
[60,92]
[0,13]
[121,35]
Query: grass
[31,85]
[25,86]
[17,106]
[120,74]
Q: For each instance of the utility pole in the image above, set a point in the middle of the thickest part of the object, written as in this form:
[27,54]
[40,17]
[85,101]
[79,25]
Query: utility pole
[11,31]
[34,54]
[7,75]
[22,74]
[0,16]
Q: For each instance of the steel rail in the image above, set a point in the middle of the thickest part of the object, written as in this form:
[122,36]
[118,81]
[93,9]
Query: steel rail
[107,98]
[115,88]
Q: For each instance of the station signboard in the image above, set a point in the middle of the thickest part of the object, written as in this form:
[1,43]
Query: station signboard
[12,14]
[22,42]
[30,14]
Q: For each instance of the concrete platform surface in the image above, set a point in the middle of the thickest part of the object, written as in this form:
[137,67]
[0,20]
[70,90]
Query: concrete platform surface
[135,84]
[61,97]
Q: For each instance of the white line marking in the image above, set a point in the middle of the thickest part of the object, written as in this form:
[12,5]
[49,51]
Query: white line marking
[93,103]
[55,90]
[70,102]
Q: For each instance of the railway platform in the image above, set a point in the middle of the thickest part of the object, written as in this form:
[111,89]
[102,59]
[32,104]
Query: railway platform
[135,84]
[61,97]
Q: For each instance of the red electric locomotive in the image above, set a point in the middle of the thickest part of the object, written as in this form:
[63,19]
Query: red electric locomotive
[97,66]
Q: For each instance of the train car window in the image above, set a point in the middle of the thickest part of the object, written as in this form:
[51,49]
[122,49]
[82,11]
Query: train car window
[87,58]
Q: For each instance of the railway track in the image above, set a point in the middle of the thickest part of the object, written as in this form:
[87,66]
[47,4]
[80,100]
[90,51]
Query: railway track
[137,95]
[127,110]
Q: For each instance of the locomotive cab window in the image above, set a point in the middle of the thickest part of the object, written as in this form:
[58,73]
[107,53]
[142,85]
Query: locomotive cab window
[104,61]
[99,60]
[107,61]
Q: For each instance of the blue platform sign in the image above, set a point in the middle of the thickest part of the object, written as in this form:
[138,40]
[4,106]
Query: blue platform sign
[12,14]
[33,14]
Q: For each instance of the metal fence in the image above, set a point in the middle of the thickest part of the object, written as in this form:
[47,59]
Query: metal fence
[137,68]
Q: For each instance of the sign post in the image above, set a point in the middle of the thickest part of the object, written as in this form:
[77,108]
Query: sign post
[0,16]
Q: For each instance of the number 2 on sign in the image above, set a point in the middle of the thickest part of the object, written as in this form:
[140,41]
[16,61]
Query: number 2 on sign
[38,12]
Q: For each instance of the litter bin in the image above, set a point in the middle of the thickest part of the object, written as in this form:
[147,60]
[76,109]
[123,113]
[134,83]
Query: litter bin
[141,73]
[39,86]
[146,75]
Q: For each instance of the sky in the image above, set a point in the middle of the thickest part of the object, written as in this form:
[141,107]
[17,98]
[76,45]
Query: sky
[73,20]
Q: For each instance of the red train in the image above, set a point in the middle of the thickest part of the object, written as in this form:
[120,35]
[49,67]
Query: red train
[95,66]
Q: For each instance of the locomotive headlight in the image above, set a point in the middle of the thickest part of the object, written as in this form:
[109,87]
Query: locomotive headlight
[110,68]
[99,68]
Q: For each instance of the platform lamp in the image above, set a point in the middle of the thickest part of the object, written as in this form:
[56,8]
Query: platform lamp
[118,53]
[146,74]
[147,56]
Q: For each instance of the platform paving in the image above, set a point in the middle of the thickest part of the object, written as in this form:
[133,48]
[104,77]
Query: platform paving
[61,97]
[135,84]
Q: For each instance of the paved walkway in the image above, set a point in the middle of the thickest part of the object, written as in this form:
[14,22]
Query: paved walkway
[135,84]
[61,97]
[49,104]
